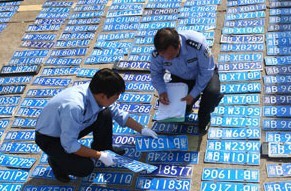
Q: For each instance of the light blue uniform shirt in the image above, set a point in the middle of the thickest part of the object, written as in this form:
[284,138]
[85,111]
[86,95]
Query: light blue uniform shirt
[194,62]
[71,111]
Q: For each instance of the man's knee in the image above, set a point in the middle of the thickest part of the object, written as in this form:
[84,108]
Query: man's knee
[83,168]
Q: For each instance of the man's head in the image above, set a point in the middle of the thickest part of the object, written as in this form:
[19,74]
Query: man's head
[167,43]
[108,85]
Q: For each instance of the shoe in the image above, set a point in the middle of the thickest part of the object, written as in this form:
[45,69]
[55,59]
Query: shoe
[203,131]
[118,150]
[60,176]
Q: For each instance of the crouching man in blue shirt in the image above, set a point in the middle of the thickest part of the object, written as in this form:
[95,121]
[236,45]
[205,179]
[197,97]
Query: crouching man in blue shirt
[74,113]
[187,58]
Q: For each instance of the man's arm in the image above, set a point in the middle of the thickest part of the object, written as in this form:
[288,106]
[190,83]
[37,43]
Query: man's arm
[87,152]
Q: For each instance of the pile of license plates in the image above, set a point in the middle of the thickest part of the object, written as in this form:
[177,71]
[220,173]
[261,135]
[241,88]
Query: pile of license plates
[7,11]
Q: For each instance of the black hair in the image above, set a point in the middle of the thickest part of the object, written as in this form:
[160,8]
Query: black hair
[108,82]
[166,37]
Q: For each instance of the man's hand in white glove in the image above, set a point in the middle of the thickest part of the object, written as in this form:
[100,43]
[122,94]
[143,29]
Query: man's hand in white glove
[106,158]
[148,132]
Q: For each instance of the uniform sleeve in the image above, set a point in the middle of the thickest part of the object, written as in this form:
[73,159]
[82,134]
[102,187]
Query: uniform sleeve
[70,127]
[118,115]
[157,75]
[205,69]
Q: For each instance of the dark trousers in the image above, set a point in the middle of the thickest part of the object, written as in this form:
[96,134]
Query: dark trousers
[72,164]
[210,97]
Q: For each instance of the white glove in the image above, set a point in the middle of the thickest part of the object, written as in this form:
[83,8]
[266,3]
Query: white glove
[148,132]
[106,158]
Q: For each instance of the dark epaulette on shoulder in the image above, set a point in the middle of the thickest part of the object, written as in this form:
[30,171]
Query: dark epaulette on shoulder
[194,44]
[155,53]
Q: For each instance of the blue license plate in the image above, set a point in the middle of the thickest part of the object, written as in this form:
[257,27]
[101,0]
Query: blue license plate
[134,6]
[277,4]
[89,2]
[116,36]
[123,140]
[136,77]
[63,71]
[256,38]
[198,3]
[279,170]
[245,23]
[57,4]
[135,108]
[252,87]
[280,60]
[7,111]
[278,79]
[162,143]
[278,70]
[249,57]
[117,130]
[141,57]
[240,66]
[227,174]
[240,76]
[34,102]
[4,123]
[279,27]
[6,14]
[103,59]
[197,14]
[216,186]
[133,97]
[87,14]
[141,49]
[37,44]
[234,145]
[72,36]
[80,28]
[16,161]
[24,122]
[278,136]
[247,15]
[47,187]
[15,80]
[197,21]
[30,53]
[108,52]
[160,11]
[46,81]
[243,30]
[280,19]
[281,150]
[242,47]
[69,52]
[278,35]
[278,50]
[113,178]
[162,5]
[13,89]
[155,18]
[20,69]
[171,128]
[26,60]
[248,8]
[13,176]
[279,88]
[238,110]
[127,1]
[139,86]
[86,21]
[56,9]
[86,72]
[51,21]
[132,65]
[28,112]
[20,136]
[231,157]
[46,92]
[81,8]
[233,121]
[278,111]
[243,2]
[120,13]
[72,43]
[9,100]
[206,8]
[277,99]
[120,26]
[112,44]
[281,11]
[40,28]
[170,170]
[8,8]
[276,124]
[151,183]
[234,133]
[53,61]
[19,147]
[156,25]
[173,157]
[39,37]
[144,40]
[240,99]
[279,42]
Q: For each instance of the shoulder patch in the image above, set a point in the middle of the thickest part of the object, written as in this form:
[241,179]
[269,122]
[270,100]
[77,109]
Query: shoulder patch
[194,44]
[155,53]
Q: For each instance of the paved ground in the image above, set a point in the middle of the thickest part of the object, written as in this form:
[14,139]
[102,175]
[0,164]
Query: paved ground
[10,40]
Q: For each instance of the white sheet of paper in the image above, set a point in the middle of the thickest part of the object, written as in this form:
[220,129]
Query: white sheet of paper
[176,108]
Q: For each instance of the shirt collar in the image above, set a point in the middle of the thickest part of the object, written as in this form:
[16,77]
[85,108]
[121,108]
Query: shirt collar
[93,103]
